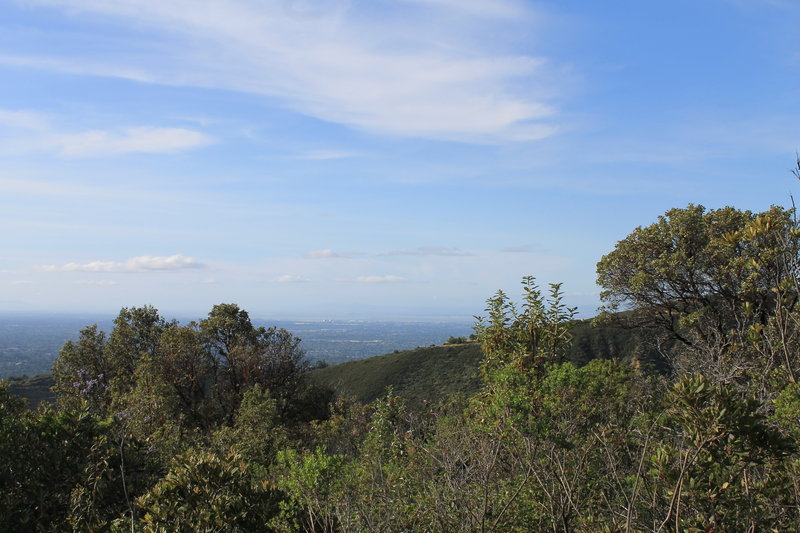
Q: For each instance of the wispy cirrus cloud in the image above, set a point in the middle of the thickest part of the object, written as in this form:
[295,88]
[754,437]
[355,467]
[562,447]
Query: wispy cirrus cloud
[494,8]
[524,249]
[144,263]
[340,62]
[430,251]
[22,120]
[26,131]
[441,251]
[289,278]
[77,66]
[327,253]
[381,279]
[146,139]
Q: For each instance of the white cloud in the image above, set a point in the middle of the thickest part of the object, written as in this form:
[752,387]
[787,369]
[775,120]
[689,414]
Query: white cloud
[431,251]
[322,254]
[99,283]
[78,66]
[427,72]
[25,131]
[25,120]
[327,253]
[381,279]
[288,278]
[144,263]
[492,8]
[21,282]
[130,140]
[420,251]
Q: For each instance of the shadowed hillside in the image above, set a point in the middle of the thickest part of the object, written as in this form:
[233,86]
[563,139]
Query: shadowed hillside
[35,389]
[437,372]
[422,374]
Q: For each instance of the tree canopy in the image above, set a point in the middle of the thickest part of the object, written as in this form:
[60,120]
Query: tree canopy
[714,279]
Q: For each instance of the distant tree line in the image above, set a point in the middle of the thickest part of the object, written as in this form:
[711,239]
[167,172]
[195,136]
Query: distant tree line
[461,339]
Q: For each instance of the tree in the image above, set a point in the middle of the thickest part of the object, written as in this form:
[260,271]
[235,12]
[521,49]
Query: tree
[518,342]
[43,454]
[188,369]
[257,433]
[198,372]
[98,368]
[82,372]
[137,334]
[134,401]
[205,492]
[10,404]
[707,469]
[714,280]
[244,355]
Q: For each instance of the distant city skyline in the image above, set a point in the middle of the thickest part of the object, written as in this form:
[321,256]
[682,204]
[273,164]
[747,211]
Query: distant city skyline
[371,159]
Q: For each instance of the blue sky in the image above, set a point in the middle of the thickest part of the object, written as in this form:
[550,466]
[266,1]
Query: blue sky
[371,159]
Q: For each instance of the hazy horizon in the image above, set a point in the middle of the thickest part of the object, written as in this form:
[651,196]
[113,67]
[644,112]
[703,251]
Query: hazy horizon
[259,318]
[30,342]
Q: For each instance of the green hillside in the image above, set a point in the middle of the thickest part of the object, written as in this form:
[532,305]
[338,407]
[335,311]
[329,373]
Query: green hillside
[436,372]
[35,389]
[422,374]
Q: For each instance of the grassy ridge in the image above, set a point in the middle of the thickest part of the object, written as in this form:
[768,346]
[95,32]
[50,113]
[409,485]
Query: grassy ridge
[436,372]
[422,374]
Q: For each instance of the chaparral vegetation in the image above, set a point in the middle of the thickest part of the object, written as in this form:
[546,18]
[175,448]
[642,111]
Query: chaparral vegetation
[219,425]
